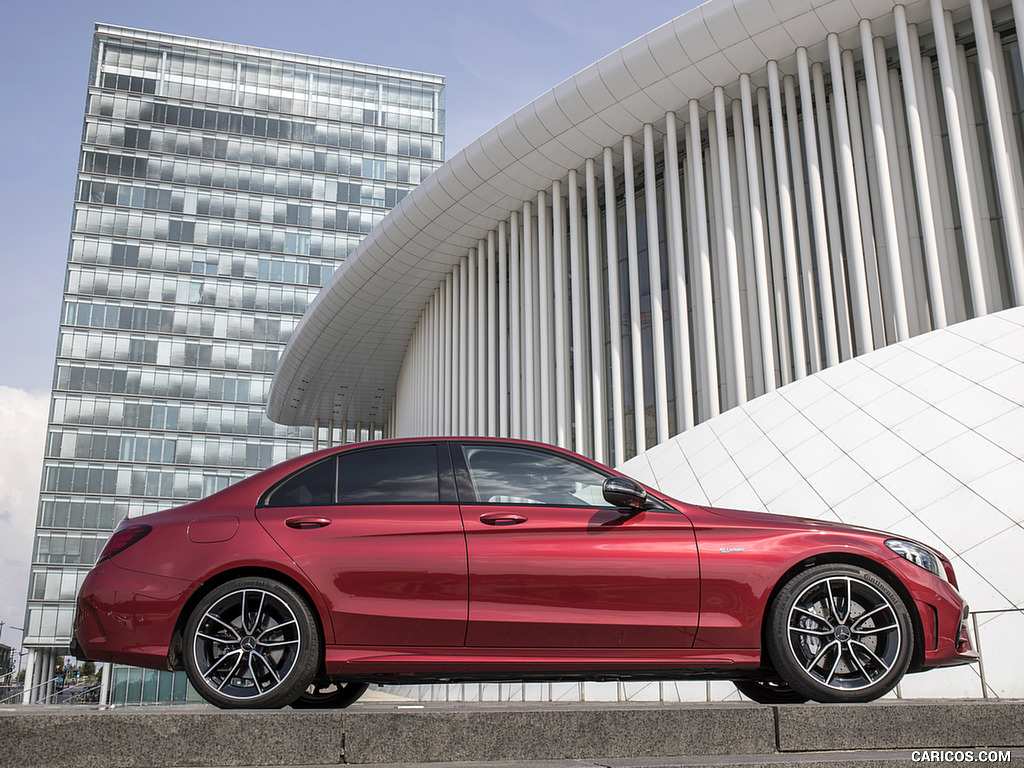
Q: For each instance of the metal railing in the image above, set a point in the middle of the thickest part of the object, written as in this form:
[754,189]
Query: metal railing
[85,696]
[977,644]
[21,693]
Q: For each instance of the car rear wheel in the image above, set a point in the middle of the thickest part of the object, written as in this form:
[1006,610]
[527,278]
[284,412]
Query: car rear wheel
[251,643]
[839,633]
[769,692]
[328,695]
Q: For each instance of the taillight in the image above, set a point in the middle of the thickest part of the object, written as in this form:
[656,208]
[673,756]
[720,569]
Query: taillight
[122,539]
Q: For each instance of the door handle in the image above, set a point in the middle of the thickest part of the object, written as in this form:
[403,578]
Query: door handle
[502,518]
[304,523]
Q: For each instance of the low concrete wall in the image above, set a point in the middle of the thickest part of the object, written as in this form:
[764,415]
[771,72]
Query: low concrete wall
[195,736]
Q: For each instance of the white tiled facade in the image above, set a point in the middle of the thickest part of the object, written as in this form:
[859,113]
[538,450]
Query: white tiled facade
[924,439]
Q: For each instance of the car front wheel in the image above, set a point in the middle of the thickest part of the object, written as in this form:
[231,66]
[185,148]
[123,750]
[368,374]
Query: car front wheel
[839,633]
[251,643]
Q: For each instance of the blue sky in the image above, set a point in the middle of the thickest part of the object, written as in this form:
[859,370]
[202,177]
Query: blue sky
[497,56]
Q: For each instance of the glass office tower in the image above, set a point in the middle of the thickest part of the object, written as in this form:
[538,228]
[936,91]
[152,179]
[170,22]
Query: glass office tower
[218,188]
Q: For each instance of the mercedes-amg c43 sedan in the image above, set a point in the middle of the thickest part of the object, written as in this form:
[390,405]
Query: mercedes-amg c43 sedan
[458,559]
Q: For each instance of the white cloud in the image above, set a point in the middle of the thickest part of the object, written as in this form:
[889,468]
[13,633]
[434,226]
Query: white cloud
[23,417]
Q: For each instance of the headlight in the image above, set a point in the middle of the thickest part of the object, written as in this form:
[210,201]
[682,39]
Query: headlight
[918,555]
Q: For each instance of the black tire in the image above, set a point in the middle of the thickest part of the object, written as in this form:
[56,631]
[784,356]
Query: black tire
[328,695]
[839,633]
[769,692]
[251,643]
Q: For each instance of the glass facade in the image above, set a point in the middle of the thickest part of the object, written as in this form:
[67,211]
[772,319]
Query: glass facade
[218,188]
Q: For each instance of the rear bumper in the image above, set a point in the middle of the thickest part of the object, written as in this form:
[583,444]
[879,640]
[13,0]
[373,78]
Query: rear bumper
[127,617]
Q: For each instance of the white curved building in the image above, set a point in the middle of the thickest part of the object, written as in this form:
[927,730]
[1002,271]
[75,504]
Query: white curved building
[757,194]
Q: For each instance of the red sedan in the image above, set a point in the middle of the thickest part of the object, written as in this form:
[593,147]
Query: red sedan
[457,559]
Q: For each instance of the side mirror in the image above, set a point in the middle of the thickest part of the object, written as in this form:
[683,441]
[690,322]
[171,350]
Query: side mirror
[624,492]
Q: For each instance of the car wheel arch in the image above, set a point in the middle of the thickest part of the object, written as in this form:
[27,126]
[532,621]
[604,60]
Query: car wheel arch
[848,558]
[175,662]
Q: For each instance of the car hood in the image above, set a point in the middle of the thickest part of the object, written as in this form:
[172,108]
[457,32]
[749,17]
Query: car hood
[768,520]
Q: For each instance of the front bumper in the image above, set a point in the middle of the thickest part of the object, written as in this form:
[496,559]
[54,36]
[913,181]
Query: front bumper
[944,617]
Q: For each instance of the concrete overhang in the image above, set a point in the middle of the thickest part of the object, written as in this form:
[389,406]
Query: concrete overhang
[343,360]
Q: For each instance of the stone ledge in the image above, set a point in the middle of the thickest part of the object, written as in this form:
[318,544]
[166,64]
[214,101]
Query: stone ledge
[163,738]
[641,734]
[555,734]
[901,725]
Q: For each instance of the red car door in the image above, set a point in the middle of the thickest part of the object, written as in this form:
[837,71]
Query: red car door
[383,543]
[552,565]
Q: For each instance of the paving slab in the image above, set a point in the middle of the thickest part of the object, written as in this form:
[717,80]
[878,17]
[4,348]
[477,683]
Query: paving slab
[912,725]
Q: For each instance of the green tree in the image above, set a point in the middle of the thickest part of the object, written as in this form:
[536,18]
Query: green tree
[89,669]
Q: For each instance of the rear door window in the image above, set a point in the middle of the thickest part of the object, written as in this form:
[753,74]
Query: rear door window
[398,474]
[310,487]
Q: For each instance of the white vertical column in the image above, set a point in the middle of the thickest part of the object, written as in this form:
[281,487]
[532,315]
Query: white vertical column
[949,266]
[580,348]
[561,346]
[803,226]
[788,232]
[501,393]
[531,299]
[879,286]
[635,327]
[911,256]
[1000,148]
[445,395]
[654,269]
[516,320]
[719,281]
[598,371]
[952,103]
[739,384]
[677,278]
[764,321]
[777,280]
[832,211]
[472,393]
[463,366]
[480,329]
[698,359]
[30,676]
[972,105]
[614,308]
[924,194]
[438,367]
[850,206]
[106,672]
[695,153]
[885,190]
[494,394]
[429,370]
[861,165]
[744,250]
[547,406]
[821,253]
